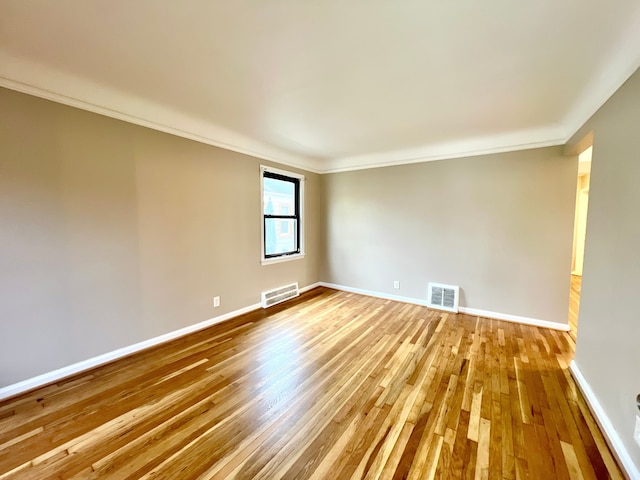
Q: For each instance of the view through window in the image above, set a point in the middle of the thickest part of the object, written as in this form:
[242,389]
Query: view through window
[281,214]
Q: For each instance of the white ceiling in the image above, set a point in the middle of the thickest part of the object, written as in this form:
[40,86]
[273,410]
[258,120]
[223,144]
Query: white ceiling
[329,85]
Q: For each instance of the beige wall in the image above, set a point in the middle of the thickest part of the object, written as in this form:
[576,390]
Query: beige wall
[111,234]
[609,324]
[499,226]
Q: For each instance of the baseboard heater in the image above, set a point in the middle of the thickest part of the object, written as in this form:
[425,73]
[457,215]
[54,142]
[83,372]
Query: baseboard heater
[279,295]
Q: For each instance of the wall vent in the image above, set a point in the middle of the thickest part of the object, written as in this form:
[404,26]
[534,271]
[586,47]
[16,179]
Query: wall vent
[443,297]
[280,294]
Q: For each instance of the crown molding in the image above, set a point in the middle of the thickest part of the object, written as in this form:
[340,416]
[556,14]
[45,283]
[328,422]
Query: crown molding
[509,142]
[121,106]
[42,81]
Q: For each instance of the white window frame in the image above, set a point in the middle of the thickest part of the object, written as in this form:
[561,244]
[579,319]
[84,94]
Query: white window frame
[293,256]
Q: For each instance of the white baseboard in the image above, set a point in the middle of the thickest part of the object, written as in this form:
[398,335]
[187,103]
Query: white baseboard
[370,293]
[309,287]
[466,310]
[515,318]
[50,377]
[610,434]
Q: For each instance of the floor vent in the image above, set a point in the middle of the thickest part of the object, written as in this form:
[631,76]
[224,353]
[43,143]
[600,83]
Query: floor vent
[277,295]
[443,297]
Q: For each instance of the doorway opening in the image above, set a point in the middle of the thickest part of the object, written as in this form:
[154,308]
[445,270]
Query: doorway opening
[579,236]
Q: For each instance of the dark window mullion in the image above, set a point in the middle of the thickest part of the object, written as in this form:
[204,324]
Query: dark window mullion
[297,204]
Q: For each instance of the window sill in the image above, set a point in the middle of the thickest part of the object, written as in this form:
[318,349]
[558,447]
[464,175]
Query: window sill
[287,258]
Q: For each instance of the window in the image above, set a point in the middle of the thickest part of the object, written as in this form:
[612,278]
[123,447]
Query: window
[282,200]
[284,227]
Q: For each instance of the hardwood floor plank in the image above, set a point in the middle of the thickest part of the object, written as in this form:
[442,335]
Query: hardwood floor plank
[484,449]
[330,385]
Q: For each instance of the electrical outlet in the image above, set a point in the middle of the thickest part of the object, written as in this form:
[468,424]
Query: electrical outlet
[216,301]
[396,284]
[636,432]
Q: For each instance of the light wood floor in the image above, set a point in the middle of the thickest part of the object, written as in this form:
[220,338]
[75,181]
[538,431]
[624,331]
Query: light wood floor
[334,386]
[574,305]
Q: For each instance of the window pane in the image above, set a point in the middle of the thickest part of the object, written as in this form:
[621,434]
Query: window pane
[280,236]
[279,197]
